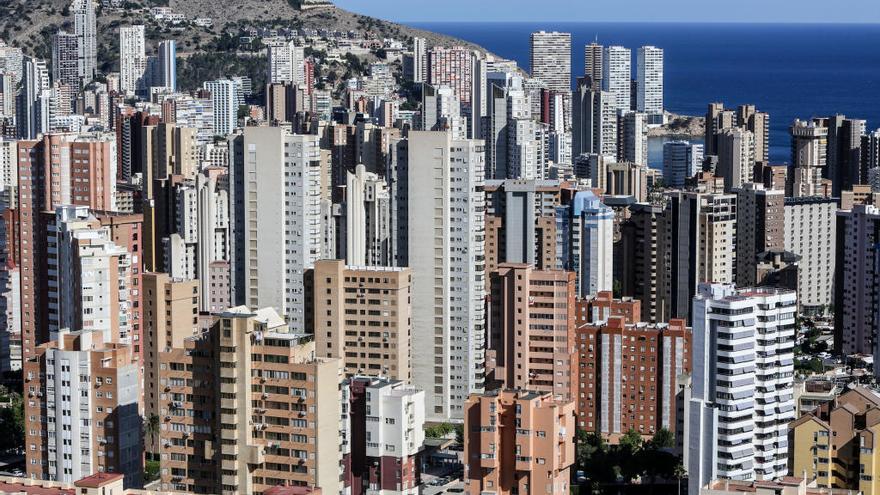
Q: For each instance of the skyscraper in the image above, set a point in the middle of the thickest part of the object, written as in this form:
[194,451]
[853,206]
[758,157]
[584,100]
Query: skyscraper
[857,281]
[742,399]
[810,232]
[593,66]
[760,227]
[594,122]
[448,276]
[550,59]
[736,157]
[650,80]
[809,157]
[167,65]
[132,59]
[285,63]
[452,67]
[617,75]
[224,95]
[632,138]
[85,29]
[65,60]
[420,60]
[586,231]
[275,187]
[681,161]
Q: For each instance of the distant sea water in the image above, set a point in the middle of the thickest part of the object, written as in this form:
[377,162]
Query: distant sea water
[789,70]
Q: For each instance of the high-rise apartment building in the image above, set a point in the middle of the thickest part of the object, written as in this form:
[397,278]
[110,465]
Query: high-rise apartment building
[550,59]
[132,59]
[531,339]
[86,31]
[632,134]
[627,375]
[363,316]
[275,188]
[59,169]
[367,219]
[33,104]
[171,316]
[383,433]
[444,179]
[594,122]
[811,233]
[809,156]
[650,80]
[81,413]
[521,221]
[224,95]
[844,152]
[92,278]
[593,63]
[700,239]
[760,228]
[736,157]
[617,75]
[11,61]
[286,63]
[452,67]
[65,61]
[857,280]
[248,406]
[585,233]
[758,123]
[535,461]
[420,60]
[681,161]
[167,76]
[741,397]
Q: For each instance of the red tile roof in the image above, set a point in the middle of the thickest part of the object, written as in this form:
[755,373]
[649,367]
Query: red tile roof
[98,480]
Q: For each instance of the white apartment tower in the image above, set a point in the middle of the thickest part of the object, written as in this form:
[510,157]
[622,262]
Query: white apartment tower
[224,96]
[167,65]
[132,59]
[420,60]
[368,219]
[276,218]
[742,398]
[286,63]
[212,188]
[650,80]
[92,285]
[681,161]
[550,59]
[85,29]
[617,75]
[810,231]
[446,233]
[585,240]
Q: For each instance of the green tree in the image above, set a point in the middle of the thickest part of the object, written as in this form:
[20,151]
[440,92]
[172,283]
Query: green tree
[12,424]
[663,439]
[152,425]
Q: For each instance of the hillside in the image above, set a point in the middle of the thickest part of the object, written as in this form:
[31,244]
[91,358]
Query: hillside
[29,24]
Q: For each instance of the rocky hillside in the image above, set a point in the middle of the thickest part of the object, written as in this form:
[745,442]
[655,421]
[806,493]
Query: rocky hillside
[30,23]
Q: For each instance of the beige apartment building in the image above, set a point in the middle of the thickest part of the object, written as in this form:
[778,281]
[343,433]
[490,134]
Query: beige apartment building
[363,316]
[532,344]
[518,442]
[275,409]
[171,315]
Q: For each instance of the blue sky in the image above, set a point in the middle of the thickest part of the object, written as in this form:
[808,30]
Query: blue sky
[840,11]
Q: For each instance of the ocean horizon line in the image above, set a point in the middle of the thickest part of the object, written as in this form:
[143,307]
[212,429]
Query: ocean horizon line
[662,22]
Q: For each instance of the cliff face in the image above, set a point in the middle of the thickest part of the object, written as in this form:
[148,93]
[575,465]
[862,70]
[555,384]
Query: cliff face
[30,24]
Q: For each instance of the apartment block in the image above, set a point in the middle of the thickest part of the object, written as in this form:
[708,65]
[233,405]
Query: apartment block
[836,444]
[531,340]
[810,232]
[605,306]
[518,441]
[171,316]
[383,436]
[363,316]
[81,411]
[857,280]
[760,228]
[521,221]
[742,398]
[627,373]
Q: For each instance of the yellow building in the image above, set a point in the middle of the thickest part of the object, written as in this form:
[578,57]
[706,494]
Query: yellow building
[837,444]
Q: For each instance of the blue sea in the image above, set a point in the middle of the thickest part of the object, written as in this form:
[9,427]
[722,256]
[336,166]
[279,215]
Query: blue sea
[789,70]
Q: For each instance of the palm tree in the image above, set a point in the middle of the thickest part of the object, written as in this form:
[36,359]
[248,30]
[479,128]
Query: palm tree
[151,428]
[679,474]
